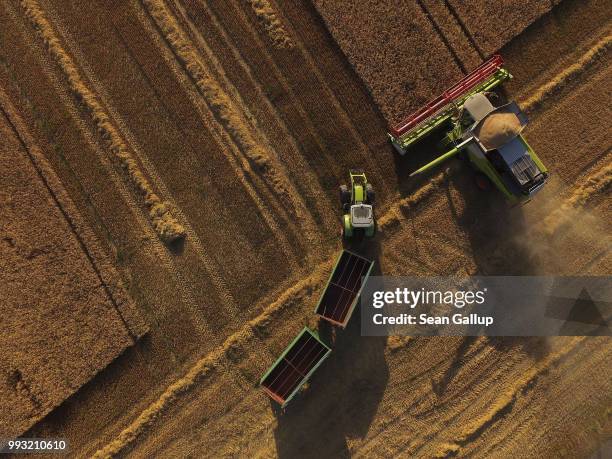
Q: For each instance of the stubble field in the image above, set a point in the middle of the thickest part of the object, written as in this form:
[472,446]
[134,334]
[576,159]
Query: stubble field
[232,123]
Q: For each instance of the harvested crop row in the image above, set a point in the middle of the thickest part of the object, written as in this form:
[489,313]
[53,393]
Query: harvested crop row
[569,74]
[166,226]
[268,16]
[395,48]
[493,24]
[224,108]
[519,388]
[407,204]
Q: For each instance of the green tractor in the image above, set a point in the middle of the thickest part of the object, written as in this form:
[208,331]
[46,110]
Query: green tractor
[358,213]
[489,137]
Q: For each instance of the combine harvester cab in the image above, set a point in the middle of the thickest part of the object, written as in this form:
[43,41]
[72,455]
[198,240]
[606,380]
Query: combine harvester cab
[294,367]
[490,136]
[343,288]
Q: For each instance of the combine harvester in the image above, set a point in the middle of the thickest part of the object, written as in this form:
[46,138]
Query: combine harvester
[490,137]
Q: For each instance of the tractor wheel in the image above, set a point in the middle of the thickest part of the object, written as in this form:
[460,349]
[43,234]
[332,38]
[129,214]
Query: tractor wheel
[347,229]
[482,182]
[370,195]
[345,195]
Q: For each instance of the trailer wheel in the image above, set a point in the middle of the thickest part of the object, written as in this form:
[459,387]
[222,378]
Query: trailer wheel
[370,195]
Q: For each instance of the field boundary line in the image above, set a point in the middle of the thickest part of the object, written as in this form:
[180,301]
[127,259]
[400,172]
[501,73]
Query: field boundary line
[207,363]
[167,227]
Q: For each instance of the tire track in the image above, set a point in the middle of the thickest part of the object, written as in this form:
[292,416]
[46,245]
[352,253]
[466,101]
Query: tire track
[464,29]
[442,36]
[198,39]
[358,143]
[223,140]
[591,186]
[295,156]
[227,112]
[206,364]
[162,219]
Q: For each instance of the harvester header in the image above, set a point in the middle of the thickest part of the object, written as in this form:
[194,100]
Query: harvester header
[420,123]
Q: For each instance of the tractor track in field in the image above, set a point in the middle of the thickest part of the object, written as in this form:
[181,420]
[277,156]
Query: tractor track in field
[285,145]
[240,125]
[248,111]
[289,87]
[304,214]
[442,36]
[165,224]
[247,79]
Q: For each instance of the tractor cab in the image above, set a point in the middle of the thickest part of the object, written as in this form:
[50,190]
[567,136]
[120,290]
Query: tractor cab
[357,206]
